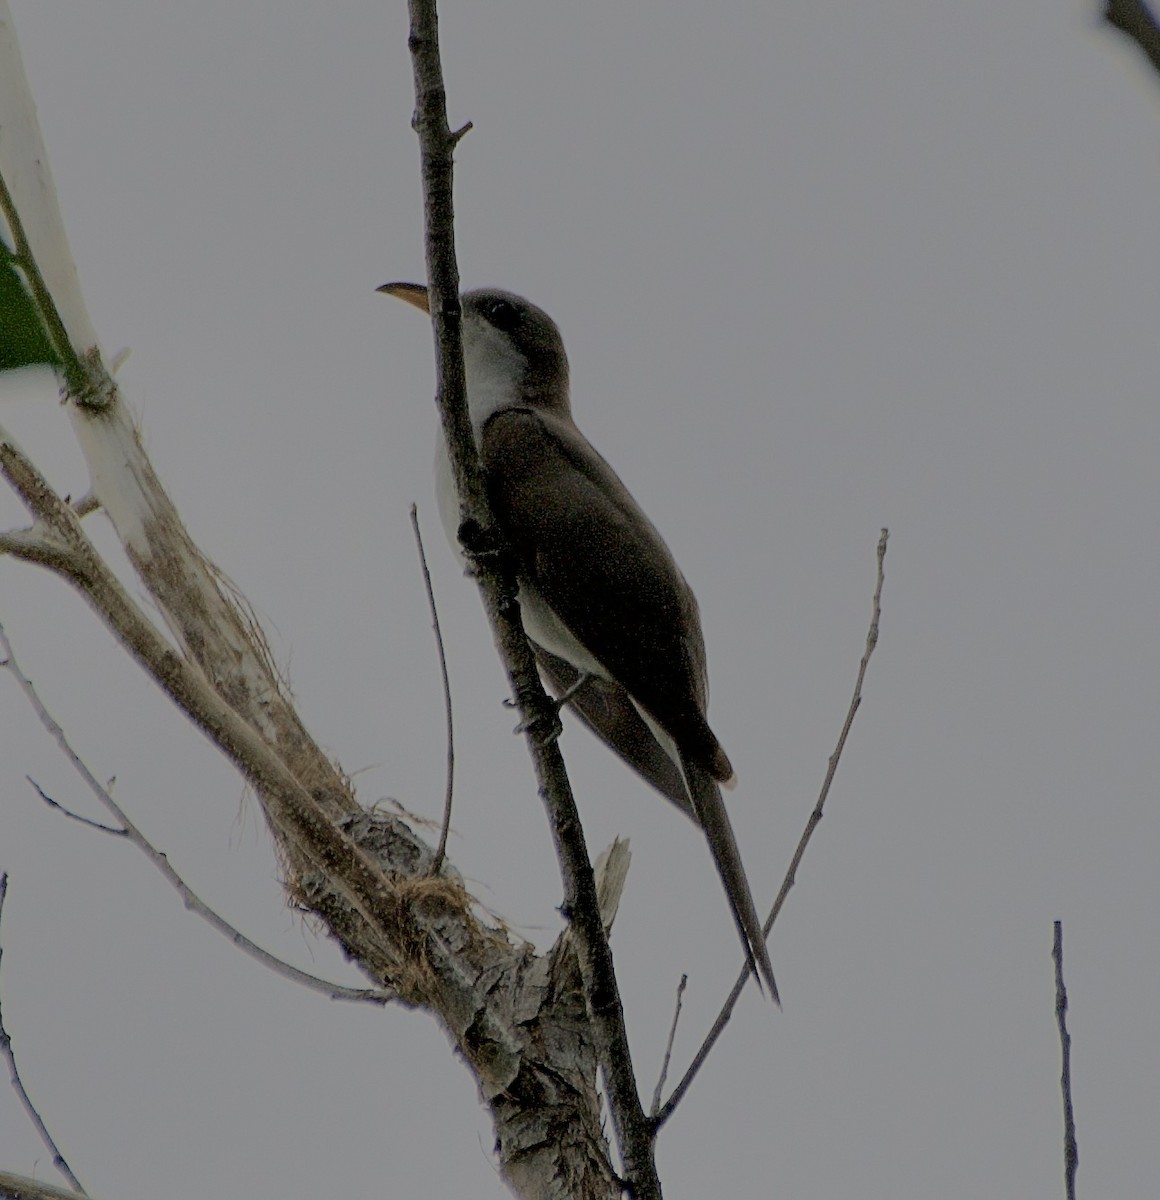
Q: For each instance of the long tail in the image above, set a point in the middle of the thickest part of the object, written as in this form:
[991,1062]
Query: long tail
[714,819]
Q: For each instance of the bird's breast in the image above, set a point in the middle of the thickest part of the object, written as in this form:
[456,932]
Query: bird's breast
[542,624]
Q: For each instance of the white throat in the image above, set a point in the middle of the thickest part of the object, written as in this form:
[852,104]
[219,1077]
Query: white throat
[494,370]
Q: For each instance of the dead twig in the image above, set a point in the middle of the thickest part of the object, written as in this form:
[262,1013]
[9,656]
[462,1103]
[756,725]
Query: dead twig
[126,829]
[441,849]
[656,1100]
[791,874]
[497,585]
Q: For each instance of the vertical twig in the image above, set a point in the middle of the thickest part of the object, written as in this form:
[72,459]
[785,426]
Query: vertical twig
[449,791]
[634,1132]
[660,1087]
[1070,1146]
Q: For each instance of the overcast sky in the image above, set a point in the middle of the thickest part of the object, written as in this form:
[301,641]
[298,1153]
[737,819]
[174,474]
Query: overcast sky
[819,269]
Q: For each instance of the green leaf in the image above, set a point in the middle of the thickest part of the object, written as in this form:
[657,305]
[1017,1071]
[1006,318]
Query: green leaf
[23,342]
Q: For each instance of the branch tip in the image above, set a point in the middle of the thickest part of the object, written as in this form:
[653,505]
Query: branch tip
[812,822]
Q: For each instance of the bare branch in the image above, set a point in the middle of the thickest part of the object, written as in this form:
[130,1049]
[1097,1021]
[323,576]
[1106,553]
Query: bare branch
[497,586]
[299,817]
[58,1159]
[56,806]
[32,545]
[445,828]
[656,1100]
[811,824]
[193,902]
[1070,1146]
[518,1019]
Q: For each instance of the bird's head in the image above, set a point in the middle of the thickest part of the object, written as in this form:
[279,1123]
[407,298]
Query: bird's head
[512,351]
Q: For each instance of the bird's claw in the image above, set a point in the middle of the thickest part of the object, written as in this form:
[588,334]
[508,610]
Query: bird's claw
[543,720]
[549,718]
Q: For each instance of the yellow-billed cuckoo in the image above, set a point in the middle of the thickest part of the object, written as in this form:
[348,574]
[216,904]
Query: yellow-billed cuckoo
[603,603]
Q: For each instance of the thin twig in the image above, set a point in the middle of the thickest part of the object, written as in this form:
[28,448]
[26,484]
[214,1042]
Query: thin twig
[56,806]
[791,875]
[58,1159]
[441,849]
[193,902]
[1070,1146]
[656,1100]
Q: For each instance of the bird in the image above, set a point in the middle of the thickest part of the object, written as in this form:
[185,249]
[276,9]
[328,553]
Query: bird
[613,624]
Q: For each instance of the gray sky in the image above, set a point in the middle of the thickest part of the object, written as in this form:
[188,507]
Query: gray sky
[819,269]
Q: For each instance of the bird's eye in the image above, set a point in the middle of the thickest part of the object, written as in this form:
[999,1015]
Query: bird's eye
[503,314]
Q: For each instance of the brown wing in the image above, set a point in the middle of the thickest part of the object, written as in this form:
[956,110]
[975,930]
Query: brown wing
[601,565]
[607,709]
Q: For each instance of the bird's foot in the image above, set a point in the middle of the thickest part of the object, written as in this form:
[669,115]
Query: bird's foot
[549,717]
[542,719]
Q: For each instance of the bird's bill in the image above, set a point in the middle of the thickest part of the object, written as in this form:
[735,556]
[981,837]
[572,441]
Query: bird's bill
[413,293]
